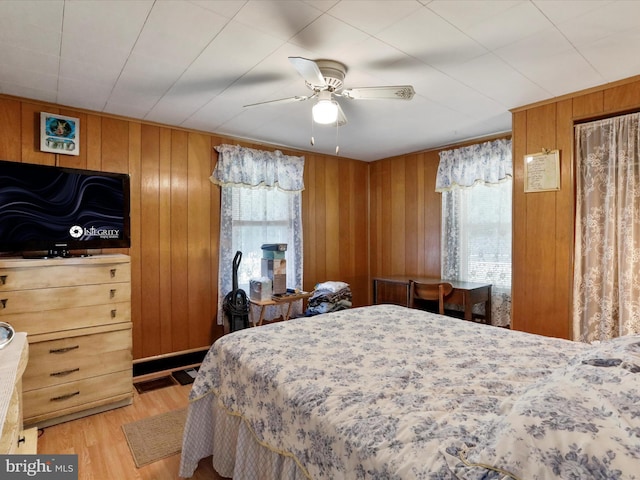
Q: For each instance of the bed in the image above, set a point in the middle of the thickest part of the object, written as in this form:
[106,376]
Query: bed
[387,392]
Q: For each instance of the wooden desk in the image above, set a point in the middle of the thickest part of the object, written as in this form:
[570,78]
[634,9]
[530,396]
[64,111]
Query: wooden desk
[284,300]
[466,294]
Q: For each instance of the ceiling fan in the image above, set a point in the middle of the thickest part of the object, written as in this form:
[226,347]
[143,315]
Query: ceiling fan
[325,78]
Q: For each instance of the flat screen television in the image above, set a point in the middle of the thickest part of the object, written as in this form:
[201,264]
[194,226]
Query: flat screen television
[52,211]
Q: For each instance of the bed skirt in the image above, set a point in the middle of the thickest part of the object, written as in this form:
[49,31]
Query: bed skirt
[210,430]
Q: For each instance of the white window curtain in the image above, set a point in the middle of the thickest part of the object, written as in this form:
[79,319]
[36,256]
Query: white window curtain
[261,203]
[607,242]
[476,186]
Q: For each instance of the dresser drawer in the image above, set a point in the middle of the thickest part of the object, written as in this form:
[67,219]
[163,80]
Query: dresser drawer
[69,359]
[68,275]
[21,301]
[70,395]
[46,321]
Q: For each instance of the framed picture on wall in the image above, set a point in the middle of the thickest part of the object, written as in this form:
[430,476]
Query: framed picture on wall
[59,134]
[542,171]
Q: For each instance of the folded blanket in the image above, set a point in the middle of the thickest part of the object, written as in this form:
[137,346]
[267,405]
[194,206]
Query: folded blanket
[331,286]
[327,307]
[321,296]
[329,297]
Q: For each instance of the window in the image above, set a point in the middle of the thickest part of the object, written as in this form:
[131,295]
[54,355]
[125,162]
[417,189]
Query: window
[261,202]
[476,241]
[476,185]
[263,216]
[484,222]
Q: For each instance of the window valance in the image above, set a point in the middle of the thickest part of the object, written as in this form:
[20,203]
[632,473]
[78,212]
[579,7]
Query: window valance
[488,162]
[247,167]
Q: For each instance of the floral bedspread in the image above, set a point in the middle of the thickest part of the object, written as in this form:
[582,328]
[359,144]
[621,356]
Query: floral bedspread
[386,392]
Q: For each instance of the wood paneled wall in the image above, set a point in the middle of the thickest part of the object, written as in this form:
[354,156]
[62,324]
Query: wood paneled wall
[405,216]
[543,222]
[175,216]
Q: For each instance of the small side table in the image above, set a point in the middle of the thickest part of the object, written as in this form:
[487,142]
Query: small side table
[287,300]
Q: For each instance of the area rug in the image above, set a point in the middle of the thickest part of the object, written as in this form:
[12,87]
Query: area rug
[157,437]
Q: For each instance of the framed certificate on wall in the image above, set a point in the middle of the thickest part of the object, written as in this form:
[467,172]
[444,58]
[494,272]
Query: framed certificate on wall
[59,134]
[542,171]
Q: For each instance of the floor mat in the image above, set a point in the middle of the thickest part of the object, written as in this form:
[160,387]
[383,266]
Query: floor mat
[156,437]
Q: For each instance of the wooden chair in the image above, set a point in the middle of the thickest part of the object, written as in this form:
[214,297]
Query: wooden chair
[429,291]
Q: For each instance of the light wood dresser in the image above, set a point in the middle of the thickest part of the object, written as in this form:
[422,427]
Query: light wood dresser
[77,314]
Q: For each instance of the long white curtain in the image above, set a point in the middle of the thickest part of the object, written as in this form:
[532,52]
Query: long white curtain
[476,185]
[607,241]
[261,203]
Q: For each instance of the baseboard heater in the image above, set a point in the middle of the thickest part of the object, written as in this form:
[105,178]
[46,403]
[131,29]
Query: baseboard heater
[146,366]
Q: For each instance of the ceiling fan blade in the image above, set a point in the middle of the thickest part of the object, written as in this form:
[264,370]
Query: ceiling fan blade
[396,92]
[309,70]
[298,98]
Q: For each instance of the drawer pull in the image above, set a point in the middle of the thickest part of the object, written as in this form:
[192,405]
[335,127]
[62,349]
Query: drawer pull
[3,279]
[64,350]
[64,373]
[64,397]
[112,293]
[113,273]
[3,302]
[113,313]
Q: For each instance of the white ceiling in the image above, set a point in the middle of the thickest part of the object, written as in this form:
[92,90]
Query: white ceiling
[196,63]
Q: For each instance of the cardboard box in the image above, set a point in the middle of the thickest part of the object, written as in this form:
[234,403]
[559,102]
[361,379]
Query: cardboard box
[260,289]
[274,251]
[273,255]
[276,271]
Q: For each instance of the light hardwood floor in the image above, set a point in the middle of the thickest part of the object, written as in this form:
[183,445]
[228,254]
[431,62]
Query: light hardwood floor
[103,453]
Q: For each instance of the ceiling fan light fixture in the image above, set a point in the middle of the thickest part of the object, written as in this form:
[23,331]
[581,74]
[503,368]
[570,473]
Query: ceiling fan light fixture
[325,112]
